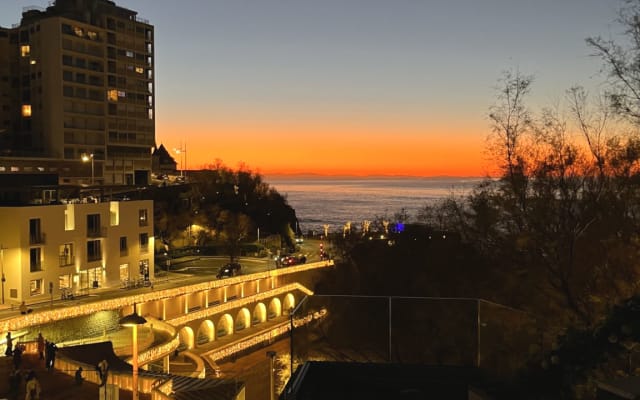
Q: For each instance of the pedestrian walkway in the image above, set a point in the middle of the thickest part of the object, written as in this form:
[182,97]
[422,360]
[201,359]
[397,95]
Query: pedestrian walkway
[56,385]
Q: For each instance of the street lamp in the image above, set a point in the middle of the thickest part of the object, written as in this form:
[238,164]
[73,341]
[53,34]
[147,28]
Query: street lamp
[88,157]
[2,266]
[133,320]
[183,158]
[271,354]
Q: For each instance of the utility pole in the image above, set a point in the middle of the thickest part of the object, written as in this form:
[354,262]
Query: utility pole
[2,266]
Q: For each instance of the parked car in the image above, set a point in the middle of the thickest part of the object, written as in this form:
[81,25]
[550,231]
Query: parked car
[229,269]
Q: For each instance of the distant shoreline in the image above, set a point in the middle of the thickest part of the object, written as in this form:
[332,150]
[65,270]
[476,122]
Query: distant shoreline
[362,177]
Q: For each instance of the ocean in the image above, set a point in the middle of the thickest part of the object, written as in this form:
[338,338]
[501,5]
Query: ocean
[335,201]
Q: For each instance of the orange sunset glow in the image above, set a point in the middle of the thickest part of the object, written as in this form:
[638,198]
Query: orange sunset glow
[282,149]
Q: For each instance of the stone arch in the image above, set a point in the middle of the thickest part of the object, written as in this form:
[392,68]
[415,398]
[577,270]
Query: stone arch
[275,308]
[206,332]
[243,319]
[225,325]
[186,338]
[259,314]
[288,302]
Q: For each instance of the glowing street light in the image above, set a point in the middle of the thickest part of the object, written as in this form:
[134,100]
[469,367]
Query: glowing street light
[183,158]
[133,320]
[88,157]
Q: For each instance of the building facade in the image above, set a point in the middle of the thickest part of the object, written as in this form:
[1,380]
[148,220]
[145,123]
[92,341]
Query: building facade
[77,84]
[74,248]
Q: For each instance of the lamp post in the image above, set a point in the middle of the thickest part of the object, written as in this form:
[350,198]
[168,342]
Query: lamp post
[133,320]
[89,157]
[271,354]
[2,266]
[182,150]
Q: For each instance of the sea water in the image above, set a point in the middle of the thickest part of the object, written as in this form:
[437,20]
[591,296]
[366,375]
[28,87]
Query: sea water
[336,201]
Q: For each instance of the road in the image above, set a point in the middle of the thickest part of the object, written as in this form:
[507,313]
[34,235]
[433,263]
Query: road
[207,265]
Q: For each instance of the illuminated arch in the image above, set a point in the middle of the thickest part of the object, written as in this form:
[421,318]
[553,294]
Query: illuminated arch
[206,332]
[288,302]
[259,314]
[186,338]
[225,326]
[243,319]
[275,308]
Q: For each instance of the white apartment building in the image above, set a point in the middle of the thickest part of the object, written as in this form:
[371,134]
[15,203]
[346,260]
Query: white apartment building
[47,250]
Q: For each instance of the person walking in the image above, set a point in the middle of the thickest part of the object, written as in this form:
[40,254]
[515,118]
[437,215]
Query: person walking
[51,355]
[33,387]
[9,342]
[79,377]
[40,342]
[17,356]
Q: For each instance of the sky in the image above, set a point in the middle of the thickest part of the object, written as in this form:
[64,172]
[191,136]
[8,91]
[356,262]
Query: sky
[354,87]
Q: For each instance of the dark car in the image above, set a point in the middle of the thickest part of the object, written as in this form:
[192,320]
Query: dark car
[293,260]
[230,269]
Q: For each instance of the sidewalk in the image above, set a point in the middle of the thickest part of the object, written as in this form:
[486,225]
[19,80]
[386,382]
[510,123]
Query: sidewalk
[59,386]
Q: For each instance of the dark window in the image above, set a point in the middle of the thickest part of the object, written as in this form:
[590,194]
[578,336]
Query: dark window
[35,234]
[67,91]
[144,242]
[35,256]
[93,250]
[93,225]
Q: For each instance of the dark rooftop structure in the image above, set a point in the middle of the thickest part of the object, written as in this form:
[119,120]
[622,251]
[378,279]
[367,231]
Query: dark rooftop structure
[343,380]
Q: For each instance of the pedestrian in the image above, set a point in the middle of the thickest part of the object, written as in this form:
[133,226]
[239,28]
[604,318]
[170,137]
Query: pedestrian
[47,353]
[103,371]
[17,356]
[23,308]
[33,387]
[52,355]
[41,345]
[15,378]
[9,342]
[79,377]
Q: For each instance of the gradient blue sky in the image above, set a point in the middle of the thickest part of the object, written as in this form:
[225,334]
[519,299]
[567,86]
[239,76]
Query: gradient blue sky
[354,86]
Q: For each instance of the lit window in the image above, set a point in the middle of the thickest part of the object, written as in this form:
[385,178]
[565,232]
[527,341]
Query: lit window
[112,95]
[142,217]
[32,62]
[129,53]
[140,70]
[78,31]
[26,110]
[36,287]
[25,50]
[122,93]
[92,35]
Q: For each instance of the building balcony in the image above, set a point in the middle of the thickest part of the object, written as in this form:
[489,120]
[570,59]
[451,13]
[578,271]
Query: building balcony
[94,257]
[37,238]
[98,232]
[66,260]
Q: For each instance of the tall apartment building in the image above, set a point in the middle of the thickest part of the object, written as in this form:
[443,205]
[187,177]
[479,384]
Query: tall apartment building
[74,248]
[77,83]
